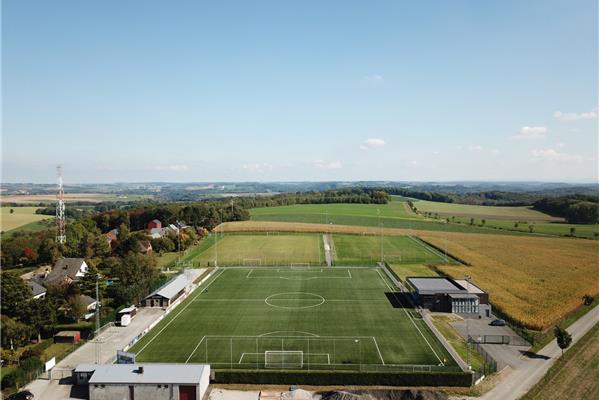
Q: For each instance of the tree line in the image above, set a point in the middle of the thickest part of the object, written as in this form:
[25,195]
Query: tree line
[575,209]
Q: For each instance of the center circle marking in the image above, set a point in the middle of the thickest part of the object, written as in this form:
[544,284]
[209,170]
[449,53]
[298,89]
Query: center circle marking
[316,299]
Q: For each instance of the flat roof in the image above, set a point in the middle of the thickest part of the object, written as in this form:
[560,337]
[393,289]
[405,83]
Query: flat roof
[153,373]
[463,296]
[171,288]
[469,286]
[432,285]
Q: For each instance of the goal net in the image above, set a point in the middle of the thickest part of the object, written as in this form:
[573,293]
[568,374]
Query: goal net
[284,359]
[300,265]
[250,262]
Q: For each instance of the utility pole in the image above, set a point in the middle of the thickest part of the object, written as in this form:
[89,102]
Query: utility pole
[380,235]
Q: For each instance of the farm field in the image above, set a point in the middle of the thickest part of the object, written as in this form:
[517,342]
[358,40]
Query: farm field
[69,197]
[357,249]
[295,318]
[404,271]
[589,231]
[261,249]
[574,375]
[395,214]
[535,280]
[491,212]
[20,217]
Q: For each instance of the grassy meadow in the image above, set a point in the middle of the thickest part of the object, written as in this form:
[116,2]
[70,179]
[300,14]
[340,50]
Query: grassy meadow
[535,280]
[404,271]
[491,212]
[22,216]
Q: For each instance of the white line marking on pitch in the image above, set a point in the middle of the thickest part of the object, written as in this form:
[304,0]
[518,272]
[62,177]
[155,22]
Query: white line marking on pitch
[383,362]
[413,322]
[195,348]
[177,315]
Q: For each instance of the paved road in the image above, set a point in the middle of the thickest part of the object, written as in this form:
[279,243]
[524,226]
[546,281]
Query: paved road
[327,247]
[529,372]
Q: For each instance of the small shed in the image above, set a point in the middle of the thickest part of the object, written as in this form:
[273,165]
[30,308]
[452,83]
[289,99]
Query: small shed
[154,224]
[67,337]
[168,293]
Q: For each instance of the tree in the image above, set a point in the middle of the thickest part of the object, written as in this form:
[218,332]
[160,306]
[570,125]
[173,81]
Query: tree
[12,211]
[87,283]
[563,338]
[472,221]
[14,333]
[40,315]
[48,252]
[531,228]
[587,299]
[15,294]
[572,231]
[516,225]
[483,222]
[76,308]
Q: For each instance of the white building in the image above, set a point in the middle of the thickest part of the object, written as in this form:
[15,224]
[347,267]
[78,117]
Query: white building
[144,381]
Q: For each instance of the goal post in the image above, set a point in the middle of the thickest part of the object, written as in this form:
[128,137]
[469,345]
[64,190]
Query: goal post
[393,258]
[251,262]
[300,265]
[284,359]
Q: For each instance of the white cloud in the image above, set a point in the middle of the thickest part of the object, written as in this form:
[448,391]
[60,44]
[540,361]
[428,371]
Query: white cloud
[257,167]
[475,147]
[374,79]
[173,168]
[372,143]
[495,151]
[532,132]
[336,164]
[413,163]
[571,116]
[553,155]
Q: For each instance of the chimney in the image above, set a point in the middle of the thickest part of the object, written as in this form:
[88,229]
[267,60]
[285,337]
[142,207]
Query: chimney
[141,369]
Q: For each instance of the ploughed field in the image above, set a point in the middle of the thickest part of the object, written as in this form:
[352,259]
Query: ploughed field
[299,318]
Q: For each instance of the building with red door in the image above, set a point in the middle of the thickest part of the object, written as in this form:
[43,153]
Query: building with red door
[144,381]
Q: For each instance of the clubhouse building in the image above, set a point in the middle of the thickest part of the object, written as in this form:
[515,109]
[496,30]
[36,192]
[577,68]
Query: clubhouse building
[441,294]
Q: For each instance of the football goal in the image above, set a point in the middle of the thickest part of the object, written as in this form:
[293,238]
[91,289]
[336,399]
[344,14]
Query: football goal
[393,258]
[284,359]
[300,265]
[251,262]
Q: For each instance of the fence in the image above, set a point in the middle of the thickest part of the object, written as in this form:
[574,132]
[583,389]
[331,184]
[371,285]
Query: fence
[490,365]
[510,340]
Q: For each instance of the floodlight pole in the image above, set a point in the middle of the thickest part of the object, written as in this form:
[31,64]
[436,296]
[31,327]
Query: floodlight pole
[97,321]
[467,278]
[380,235]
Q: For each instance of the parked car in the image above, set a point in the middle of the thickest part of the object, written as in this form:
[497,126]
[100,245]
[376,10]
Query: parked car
[498,322]
[24,395]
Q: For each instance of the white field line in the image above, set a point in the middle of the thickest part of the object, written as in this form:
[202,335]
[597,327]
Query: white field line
[179,313]
[413,322]
[262,300]
[303,355]
[249,272]
[195,348]
[377,346]
[429,249]
[349,274]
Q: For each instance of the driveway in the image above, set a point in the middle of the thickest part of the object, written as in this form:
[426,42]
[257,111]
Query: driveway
[503,354]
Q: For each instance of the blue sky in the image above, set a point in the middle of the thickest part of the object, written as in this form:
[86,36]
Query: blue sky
[300,90]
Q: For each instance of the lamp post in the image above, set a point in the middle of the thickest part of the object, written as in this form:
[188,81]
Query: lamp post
[467,278]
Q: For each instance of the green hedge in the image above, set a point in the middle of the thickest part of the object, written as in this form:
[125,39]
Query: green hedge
[320,378]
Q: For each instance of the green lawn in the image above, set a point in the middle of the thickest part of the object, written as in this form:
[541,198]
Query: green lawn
[363,250]
[574,375]
[328,318]
[467,210]
[259,249]
[443,324]
[404,271]
[20,217]
[395,214]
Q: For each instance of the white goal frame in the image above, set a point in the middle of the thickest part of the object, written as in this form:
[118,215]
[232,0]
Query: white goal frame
[299,265]
[251,262]
[283,363]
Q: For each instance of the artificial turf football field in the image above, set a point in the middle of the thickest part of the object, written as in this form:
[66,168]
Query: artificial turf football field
[330,318]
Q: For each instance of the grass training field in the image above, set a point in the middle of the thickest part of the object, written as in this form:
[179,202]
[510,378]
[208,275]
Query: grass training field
[404,271]
[20,217]
[330,318]
[535,280]
[356,249]
[491,212]
[262,249]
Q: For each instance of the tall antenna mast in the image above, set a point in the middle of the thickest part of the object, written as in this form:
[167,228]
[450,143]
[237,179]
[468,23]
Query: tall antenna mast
[60,208]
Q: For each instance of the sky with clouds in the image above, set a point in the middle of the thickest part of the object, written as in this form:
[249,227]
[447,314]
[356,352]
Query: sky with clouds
[286,91]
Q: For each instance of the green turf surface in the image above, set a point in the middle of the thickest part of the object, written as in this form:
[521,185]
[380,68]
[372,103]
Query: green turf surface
[259,249]
[339,318]
[395,214]
[363,250]
[589,231]
[404,271]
